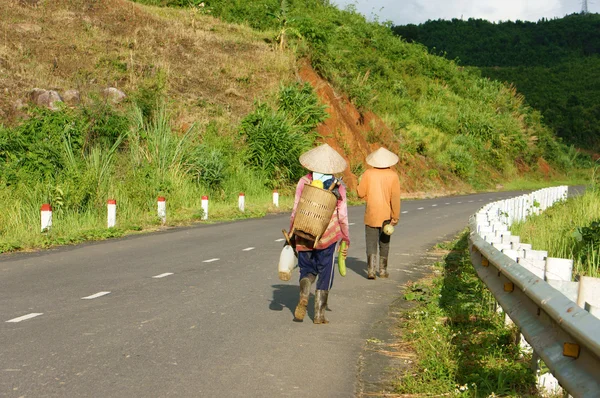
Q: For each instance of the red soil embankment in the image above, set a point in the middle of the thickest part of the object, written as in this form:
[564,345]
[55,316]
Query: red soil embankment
[355,135]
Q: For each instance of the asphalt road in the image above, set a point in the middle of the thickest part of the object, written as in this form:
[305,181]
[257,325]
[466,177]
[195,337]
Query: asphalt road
[200,311]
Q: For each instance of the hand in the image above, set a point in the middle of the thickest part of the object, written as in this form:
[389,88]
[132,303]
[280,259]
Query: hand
[345,251]
[394,222]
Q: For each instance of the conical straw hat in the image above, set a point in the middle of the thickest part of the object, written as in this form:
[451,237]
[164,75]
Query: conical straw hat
[382,158]
[323,159]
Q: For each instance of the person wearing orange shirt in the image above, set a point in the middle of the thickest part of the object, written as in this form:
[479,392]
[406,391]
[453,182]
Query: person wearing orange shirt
[380,187]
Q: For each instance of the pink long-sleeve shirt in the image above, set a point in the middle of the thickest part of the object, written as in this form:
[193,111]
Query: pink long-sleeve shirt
[338,226]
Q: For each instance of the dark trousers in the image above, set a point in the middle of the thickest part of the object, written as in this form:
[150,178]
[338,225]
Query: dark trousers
[375,237]
[318,262]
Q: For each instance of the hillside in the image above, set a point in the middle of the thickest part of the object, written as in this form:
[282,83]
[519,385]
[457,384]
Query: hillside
[221,98]
[204,66]
[554,63]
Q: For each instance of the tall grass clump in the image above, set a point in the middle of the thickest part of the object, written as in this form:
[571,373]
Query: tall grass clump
[570,229]
[275,138]
[76,159]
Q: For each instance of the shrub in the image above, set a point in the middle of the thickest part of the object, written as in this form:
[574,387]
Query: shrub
[301,106]
[274,145]
[459,161]
[276,138]
[211,166]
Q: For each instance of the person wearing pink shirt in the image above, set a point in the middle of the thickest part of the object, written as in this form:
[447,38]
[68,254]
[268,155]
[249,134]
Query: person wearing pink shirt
[316,262]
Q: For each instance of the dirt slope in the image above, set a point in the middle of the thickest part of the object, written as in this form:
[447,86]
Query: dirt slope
[208,68]
[355,135]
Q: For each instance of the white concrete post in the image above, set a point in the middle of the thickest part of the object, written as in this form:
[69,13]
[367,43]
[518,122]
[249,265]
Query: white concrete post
[588,296]
[205,207]
[559,269]
[162,209]
[535,254]
[46,217]
[111,206]
[242,202]
[276,198]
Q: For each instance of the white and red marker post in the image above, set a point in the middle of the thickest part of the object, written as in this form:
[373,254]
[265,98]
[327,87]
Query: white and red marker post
[162,209]
[276,198]
[46,217]
[242,202]
[111,207]
[205,207]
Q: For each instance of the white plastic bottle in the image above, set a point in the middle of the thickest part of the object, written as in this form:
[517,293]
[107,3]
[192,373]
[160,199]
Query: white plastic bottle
[286,263]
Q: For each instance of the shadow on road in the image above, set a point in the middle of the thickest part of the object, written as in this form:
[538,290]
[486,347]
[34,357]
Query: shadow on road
[357,265]
[286,296]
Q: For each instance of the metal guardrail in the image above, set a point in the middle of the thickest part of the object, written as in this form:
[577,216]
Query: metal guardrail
[565,336]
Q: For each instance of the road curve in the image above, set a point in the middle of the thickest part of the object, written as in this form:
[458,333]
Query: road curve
[199,311]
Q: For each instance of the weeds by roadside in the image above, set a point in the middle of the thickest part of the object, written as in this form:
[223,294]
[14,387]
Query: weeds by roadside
[462,346]
[76,159]
[568,230]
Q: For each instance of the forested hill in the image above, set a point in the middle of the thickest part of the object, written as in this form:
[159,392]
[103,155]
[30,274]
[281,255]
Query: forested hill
[554,63]
[483,43]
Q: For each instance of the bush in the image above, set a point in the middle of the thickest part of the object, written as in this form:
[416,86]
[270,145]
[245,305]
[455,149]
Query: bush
[459,161]
[301,106]
[274,145]
[211,166]
[276,138]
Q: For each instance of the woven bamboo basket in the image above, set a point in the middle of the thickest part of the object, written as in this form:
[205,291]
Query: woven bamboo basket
[314,212]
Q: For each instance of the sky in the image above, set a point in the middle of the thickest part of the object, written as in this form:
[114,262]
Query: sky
[402,12]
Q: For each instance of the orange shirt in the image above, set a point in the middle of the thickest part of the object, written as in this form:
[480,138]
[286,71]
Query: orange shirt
[381,189]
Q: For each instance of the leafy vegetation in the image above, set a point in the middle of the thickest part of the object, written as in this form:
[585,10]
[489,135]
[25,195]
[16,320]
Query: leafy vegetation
[461,344]
[461,121]
[277,138]
[188,126]
[568,230]
[552,62]
[74,160]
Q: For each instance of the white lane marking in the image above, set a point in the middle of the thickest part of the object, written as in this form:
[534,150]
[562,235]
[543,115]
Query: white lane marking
[93,296]
[471,201]
[279,240]
[458,202]
[404,212]
[25,317]
[162,275]
[446,203]
[481,200]
[352,223]
[420,208]
[211,260]
[433,205]
[248,249]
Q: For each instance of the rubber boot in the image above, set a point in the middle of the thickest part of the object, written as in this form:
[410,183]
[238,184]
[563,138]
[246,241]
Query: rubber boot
[305,284]
[371,266]
[320,306]
[383,267]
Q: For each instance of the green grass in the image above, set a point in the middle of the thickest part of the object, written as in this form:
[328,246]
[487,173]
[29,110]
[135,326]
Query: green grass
[21,225]
[558,230]
[532,183]
[465,126]
[462,346]
[55,158]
